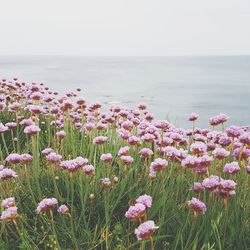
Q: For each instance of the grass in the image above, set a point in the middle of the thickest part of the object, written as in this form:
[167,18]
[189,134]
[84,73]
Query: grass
[99,222]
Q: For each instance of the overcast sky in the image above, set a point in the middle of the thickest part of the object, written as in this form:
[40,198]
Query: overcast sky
[125,27]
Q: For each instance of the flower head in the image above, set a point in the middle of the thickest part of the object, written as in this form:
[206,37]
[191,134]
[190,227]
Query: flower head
[146,200]
[46,205]
[197,205]
[63,209]
[145,230]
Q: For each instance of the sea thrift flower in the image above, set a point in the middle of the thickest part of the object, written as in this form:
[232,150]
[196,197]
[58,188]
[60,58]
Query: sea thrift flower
[32,130]
[136,211]
[211,182]
[3,128]
[89,169]
[13,158]
[106,157]
[145,230]
[142,106]
[225,141]
[245,139]
[9,214]
[231,168]
[148,137]
[158,164]
[193,117]
[123,151]
[63,209]
[234,131]
[220,153]
[124,134]
[53,157]
[127,160]
[7,173]
[89,126]
[46,205]
[197,187]
[197,206]
[146,200]
[227,185]
[81,161]
[47,151]
[133,140]
[146,153]
[11,125]
[2,106]
[61,135]
[100,140]
[189,162]
[26,158]
[248,169]
[127,125]
[8,202]
[106,182]
[241,153]
[198,148]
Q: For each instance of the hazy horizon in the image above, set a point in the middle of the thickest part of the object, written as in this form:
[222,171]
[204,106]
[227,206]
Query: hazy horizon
[125,28]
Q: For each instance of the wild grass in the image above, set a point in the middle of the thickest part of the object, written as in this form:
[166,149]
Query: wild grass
[96,214]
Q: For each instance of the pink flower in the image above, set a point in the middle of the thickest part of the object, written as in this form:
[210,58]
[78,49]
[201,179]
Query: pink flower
[193,117]
[47,151]
[146,153]
[142,106]
[63,209]
[234,131]
[61,135]
[11,125]
[145,230]
[81,161]
[46,205]
[198,148]
[106,157]
[3,128]
[189,162]
[89,169]
[7,173]
[106,182]
[136,212]
[197,206]
[123,151]
[220,153]
[231,168]
[9,214]
[211,183]
[13,158]
[248,169]
[245,138]
[158,164]
[146,200]
[32,130]
[127,125]
[127,160]
[100,140]
[8,202]
[134,140]
[53,157]
[197,187]
[26,158]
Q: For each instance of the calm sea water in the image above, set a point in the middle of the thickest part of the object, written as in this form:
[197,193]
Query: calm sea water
[172,86]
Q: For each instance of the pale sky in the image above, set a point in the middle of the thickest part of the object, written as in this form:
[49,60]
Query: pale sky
[125,27]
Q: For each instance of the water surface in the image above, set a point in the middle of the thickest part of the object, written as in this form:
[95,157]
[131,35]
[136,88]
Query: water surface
[172,86]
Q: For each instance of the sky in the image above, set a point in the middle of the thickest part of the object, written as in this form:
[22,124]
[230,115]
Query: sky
[125,27]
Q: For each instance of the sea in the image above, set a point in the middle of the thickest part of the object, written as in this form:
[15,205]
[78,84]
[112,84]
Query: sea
[172,87]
